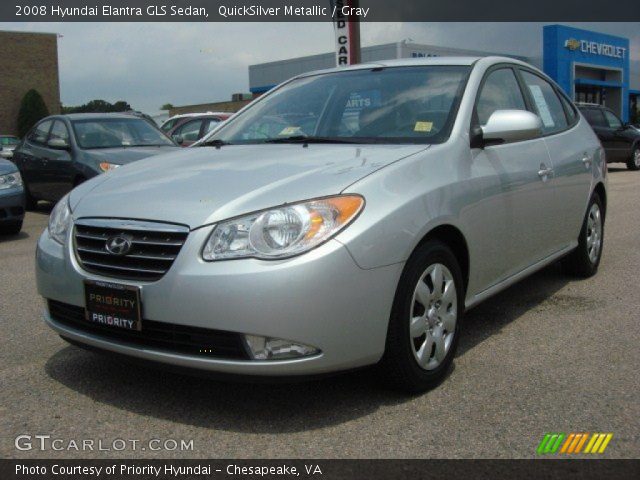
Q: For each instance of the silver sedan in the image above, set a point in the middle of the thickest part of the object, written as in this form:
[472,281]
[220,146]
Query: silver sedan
[347,218]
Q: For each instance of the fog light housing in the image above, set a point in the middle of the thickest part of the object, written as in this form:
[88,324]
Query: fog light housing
[268,348]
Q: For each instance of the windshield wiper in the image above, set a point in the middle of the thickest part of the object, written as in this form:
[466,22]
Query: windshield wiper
[150,145]
[305,139]
[216,143]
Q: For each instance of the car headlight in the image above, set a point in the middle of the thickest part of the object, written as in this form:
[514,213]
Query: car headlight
[60,220]
[106,166]
[284,231]
[10,180]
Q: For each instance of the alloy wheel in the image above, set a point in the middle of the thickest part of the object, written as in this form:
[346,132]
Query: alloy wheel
[433,318]
[594,233]
[636,157]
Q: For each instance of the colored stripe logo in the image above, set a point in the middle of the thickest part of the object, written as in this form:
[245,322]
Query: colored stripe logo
[573,443]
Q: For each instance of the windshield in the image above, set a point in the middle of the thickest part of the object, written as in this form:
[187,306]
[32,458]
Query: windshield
[117,132]
[380,105]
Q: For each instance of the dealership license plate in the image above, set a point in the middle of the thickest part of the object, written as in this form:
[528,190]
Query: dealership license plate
[113,305]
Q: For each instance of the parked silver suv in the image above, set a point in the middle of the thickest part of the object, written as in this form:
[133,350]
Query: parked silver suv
[347,218]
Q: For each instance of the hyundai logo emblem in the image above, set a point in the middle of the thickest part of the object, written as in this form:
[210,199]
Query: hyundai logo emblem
[118,245]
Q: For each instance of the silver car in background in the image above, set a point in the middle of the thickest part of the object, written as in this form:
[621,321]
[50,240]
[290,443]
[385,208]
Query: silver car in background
[347,218]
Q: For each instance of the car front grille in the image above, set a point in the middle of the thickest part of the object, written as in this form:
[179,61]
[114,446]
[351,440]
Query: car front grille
[153,247]
[168,337]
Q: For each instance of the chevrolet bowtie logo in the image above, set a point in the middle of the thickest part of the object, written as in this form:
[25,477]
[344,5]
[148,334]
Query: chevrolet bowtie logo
[572,44]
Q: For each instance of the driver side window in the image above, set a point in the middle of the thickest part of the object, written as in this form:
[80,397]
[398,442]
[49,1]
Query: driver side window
[500,91]
[59,131]
[40,132]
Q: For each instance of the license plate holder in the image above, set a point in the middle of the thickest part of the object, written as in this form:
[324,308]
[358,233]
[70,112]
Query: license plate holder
[113,305]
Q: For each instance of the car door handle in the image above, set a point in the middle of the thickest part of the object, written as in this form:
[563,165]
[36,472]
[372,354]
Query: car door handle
[545,172]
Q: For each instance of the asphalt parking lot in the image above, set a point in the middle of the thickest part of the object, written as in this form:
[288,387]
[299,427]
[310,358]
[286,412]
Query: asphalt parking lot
[551,354]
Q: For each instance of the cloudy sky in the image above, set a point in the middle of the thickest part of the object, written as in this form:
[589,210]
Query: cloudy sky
[149,64]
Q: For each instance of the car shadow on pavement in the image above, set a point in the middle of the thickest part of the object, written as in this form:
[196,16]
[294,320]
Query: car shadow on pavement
[43,208]
[272,408]
[210,403]
[11,237]
[617,169]
[492,315]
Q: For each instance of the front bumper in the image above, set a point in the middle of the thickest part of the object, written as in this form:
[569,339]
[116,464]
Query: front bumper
[11,205]
[321,298]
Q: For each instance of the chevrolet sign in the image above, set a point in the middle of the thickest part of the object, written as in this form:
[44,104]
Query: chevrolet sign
[595,48]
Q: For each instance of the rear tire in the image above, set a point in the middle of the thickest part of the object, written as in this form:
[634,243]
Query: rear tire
[424,327]
[11,228]
[634,162]
[585,259]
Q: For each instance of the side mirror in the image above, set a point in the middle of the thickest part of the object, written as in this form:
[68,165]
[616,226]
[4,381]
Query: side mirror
[506,126]
[178,139]
[58,144]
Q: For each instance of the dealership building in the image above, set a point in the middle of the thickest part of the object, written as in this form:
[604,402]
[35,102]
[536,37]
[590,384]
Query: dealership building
[590,66]
[29,61]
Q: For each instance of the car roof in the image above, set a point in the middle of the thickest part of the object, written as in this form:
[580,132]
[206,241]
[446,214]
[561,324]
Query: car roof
[96,116]
[590,105]
[200,114]
[422,61]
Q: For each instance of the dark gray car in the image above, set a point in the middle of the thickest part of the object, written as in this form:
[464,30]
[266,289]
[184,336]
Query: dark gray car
[11,198]
[63,151]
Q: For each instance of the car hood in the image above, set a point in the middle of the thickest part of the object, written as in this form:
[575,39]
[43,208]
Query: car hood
[199,186]
[7,167]
[125,155]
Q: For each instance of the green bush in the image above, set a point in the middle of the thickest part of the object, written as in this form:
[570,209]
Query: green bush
[32,110]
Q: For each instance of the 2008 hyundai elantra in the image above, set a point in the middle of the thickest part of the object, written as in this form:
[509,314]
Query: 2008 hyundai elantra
[347,218]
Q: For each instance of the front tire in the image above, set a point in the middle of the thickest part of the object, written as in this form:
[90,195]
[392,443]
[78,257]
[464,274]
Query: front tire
[634,162]
[585,259]
[424,327]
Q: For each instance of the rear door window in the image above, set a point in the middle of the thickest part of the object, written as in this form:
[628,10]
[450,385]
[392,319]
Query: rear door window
[546,102]
[569,109]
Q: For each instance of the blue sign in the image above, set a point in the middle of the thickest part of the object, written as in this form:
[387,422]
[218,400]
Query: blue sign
[574,57]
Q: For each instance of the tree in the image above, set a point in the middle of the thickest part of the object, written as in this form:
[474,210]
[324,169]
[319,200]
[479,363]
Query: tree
[99,106]
[32,110]
[166,106]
